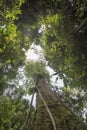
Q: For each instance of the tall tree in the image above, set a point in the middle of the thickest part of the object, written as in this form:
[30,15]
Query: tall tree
[11,54]
[60,27]
[64,33]
[51,112]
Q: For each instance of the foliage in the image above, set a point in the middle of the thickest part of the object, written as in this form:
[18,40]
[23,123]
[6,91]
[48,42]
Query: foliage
[65,48]
[10,113]
[63,38]
[64,33]
[37,70]
[75,99]
[11,54]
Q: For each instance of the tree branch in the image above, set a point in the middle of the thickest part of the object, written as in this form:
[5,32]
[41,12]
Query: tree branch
[82,24]
[28,115]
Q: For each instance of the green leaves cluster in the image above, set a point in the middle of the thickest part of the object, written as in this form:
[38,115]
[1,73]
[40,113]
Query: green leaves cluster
[64,47]
[12,113]
[36,70]
[11,54]
[64,37]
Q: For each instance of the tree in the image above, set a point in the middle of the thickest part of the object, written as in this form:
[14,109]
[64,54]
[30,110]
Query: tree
[63,117]
[63,34]
[61,48]
[65,31]
[49,107]
[11,57]
[11,54]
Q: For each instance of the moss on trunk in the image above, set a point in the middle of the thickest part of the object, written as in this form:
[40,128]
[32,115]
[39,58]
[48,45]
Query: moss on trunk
[64,119]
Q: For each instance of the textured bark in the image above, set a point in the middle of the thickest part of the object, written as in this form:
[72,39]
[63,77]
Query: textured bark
[48,110]
[63,117]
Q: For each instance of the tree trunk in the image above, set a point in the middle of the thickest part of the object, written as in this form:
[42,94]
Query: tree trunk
[62,117]
[48,110]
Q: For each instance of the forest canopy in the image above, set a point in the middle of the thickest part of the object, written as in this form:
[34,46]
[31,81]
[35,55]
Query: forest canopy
[60,28]
[63,38]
